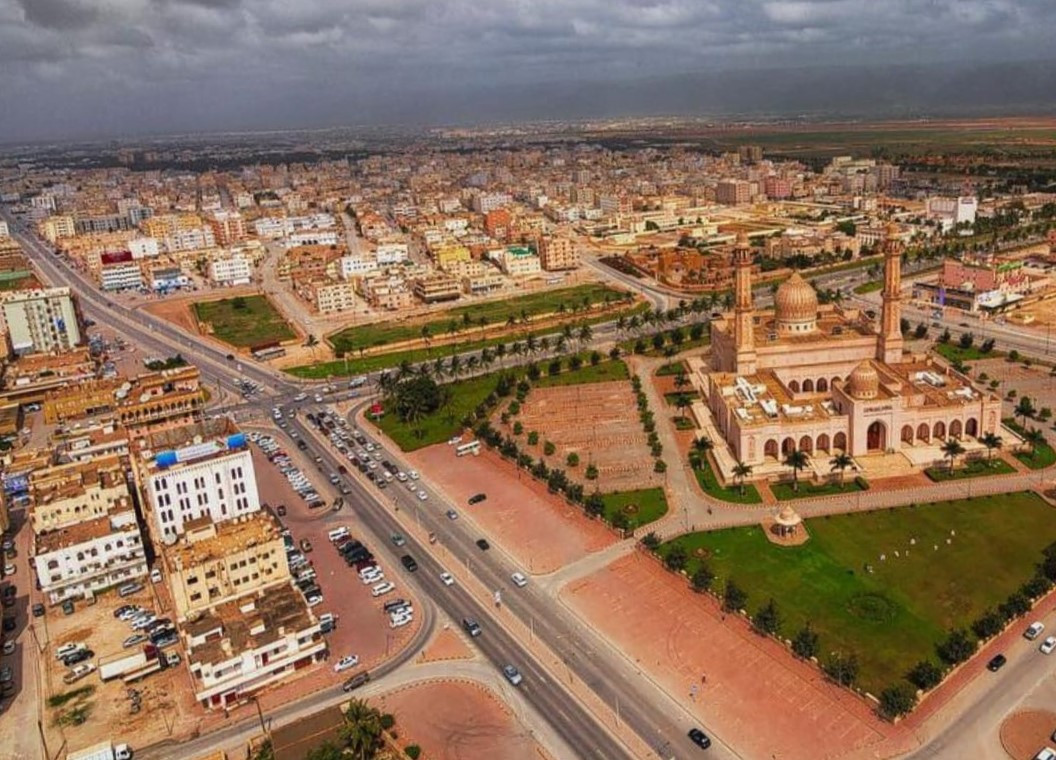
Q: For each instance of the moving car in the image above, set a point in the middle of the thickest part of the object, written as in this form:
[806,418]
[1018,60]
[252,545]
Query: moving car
[451,514]
[512,675]
[447,579]
[996,663]
[472,626]
[409,563]
[699,738]
[346,662]
[483,545]
[519,580]
[398,539]
[359,679]
[1033,630]
[1048,645]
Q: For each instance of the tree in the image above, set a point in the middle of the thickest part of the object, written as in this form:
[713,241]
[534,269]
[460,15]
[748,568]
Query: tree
[325,751]
[841,462]
[572,460]
[897,700]
[549,448]
[767,619]
[925,675]
[966,340]
[702,577]
[595,505]
[991,441]
[797,460]
[945,337]
[952,449]
[740,472]
[805,642]
[989,624]
[734,597]
[660,466]
[1035,438]
[1024,408]
[956,647]
[682,403]
[361,732]
[842,668]
[591,472]
[676,558]
[651,541]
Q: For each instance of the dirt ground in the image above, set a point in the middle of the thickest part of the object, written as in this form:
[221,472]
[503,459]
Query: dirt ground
[1024,733]
[1034,381]
[176,311]
[723,671]
[169,707]
[459,720]
[599,422]
[539,529]
[447,644]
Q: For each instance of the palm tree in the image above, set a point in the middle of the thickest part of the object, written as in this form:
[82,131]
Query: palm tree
[438,367]
[362,731]
[797,460]
[585,334]
[952,449]
[682,403]
[455,366]
[621,324]
[740,472]
[991,441]
[841,462]
[531,344]
[405,369]
[1035,438]
[1024,409]
[681,380]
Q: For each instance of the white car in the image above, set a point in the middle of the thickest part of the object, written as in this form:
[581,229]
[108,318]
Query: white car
[9,569]
[422,496]
[314,599]
[67,649]
[318,399]
[400,621]
[382,588]
[346,662]
[413,474]
[1048,645]
[373,578]
[1034,630]
[300,397]
[519,580]
[447,579]
[412,487]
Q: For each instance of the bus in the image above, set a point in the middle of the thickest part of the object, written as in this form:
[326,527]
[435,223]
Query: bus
[473,447]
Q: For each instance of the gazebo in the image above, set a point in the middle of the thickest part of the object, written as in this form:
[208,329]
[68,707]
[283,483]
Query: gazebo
[787,523]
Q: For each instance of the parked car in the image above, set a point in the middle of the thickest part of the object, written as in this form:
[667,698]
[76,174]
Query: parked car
[996,663]
[699,738]
[135,638]
[477,498]
[512,675]
[382,588]
[346,662]
[1048,645]
[483,545]
[79,656]
[1033,630]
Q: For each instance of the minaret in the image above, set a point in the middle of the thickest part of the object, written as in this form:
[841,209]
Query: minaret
[889,347]
[743,312]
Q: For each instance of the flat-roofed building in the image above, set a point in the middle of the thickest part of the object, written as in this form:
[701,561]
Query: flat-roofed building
[436,287]
[241,646]
[230,270]
[558,254]
[41,321]
[81,559]
[66,494]
[213,562]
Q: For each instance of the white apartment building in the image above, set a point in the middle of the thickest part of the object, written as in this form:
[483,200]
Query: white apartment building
[334,297]
[84,558]
[952,211]
[356,266]
[272,228]
[391,253]
[214,477]
[240,646]
[485,202]
[312,237]
[230,270]
[4,232]
[123,275]
[191,239]
[56,227]
[40,321]
[516,261]
[143,247]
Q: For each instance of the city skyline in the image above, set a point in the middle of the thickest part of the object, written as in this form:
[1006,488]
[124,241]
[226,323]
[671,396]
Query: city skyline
[229,65]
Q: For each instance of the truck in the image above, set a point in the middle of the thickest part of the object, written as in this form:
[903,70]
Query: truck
[117,665]
[103,751]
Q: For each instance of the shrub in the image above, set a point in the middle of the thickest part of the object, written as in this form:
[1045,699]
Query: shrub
[591,472]
[660,466]
[413,751]
[518,428]
[897,700]
[1015,605]
[861,483]
[956,648]
[388,720]
[767,619]
[595,505]
[805,643]
[734,597]
[841,668]
[575,362]
[989,624]
[702,578]
[549,448]
[925,675]
[572,460]
[651,541]
[533,438]
[514,408]
[1035,587]
[676,558]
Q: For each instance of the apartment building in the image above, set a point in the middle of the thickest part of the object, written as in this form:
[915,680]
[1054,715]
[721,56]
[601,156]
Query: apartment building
[558,253]
[733,191]
[448,255]
[391,253]
[356,266]
[81,559]
[230,270]
[329,296]
[214,563]
[238,647]
[388,293]
[195,471]
[66,494]
[40,321]
[55,227]
[485,202]
[516,261]
[437,287]
[120,275]
[228,227]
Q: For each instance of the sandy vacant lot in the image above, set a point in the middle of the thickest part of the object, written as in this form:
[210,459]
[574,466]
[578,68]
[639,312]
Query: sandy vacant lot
[597,421]
[723,671]
[459,720]
[539,529]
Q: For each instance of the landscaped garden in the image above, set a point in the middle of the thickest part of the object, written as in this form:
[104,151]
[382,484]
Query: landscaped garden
[1038,453]
[875,595]
[744,493]
[632,509]
[244,321]
[975,468]
[786,490]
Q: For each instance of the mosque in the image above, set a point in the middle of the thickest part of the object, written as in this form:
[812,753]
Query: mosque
[826,379]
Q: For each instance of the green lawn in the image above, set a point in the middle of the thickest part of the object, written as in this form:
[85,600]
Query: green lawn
[673,368]
[869,287]
[493,312]
[710,485]
[784,491]
[893,617]
[1043,456]
[647,505]
[244,321]
[444,423]
[604,372]
[952,352]
[672,398]
[977,468]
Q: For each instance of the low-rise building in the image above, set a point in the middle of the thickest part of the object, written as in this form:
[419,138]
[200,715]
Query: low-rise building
[66,494]
[558,253]
[230,270]
[437,287]
[517,261]
[329,297]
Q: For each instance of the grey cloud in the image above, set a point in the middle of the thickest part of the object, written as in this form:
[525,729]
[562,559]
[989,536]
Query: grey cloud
[59,14]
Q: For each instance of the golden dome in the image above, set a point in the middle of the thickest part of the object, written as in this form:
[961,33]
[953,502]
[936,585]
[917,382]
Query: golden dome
[863,382]
[796,305]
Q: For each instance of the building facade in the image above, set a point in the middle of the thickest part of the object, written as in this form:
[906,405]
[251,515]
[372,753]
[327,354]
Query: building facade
[41,321]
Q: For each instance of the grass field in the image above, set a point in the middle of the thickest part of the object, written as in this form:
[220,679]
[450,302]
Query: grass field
[784,491]
[1044,455]
[466,319]
[602,373]
[733,494]
[445,422]
[893,617]
[869,287]
[674,368]
[244,321]
[952,352]
[977,468]
[641,507]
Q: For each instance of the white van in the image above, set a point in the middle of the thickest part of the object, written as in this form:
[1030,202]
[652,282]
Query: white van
[337,533]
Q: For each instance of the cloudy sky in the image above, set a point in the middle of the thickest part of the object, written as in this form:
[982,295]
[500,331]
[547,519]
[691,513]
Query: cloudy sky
[71,68]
